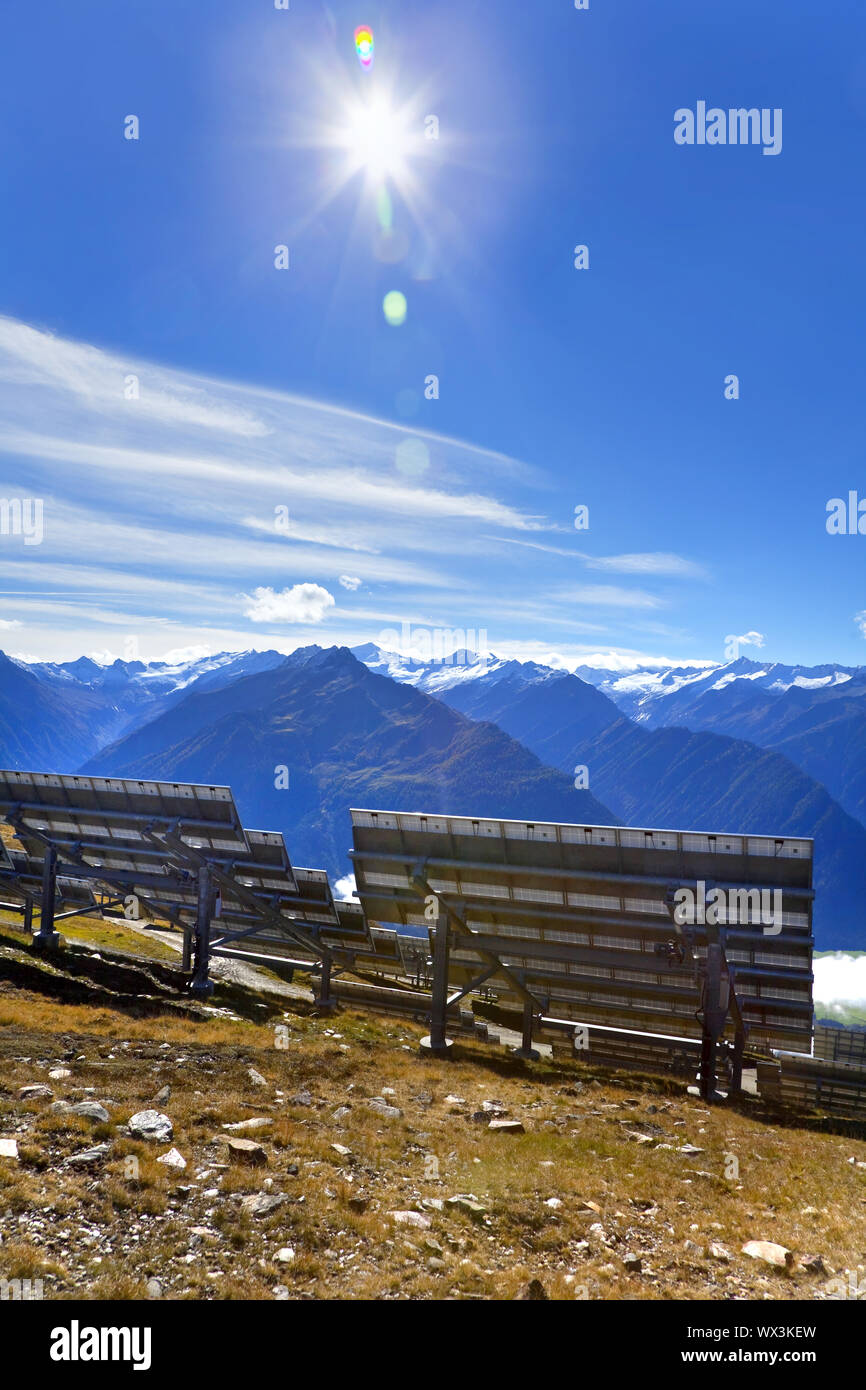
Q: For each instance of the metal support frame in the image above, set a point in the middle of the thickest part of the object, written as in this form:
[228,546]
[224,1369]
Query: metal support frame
[737,1060]
[200,983]
[326,1000]
[526,1050]
[718,998]
[47,937]
[438,1040]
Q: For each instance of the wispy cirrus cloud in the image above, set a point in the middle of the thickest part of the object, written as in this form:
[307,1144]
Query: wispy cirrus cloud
[661,563]
[162,491]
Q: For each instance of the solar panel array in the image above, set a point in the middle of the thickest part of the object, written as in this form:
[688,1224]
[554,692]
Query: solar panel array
[804,1083]
[576,914]
[572,922]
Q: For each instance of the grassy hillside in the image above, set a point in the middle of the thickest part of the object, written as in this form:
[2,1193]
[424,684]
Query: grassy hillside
[599,1197]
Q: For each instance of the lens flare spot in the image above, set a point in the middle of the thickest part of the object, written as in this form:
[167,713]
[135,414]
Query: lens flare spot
[364,45]
[395,308]
[412,457]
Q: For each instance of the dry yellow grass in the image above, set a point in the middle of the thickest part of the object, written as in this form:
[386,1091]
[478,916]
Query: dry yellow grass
[104,1232]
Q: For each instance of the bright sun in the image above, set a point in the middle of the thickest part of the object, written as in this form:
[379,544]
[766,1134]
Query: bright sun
[377,140]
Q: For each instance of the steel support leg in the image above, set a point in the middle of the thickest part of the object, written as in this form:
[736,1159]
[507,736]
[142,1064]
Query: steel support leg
[438,1040]
[47,937]
[715,1007]
[326,999]
[526,1049]
[28,916]
[737,1061]
[200,983]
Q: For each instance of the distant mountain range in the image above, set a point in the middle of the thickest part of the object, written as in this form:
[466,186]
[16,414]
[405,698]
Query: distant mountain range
[740,747]
[347,737]
[814,715]
[689,777]
[74,708]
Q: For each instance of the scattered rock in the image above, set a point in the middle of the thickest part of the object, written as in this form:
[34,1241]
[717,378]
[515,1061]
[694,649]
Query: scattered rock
[246,1151]
[261,1203]
[153,1288]
[381,1106]
[9,1149]
[554,1203]
[256,1077]
[258,1122]
[813,1264]
[342,1150]
[285,1256]
[412,1218]
[358,1204]
[690,1150]
[718,1252]
[59,1073]
[161,1097]
[172,1159]
[769,1252]
[38,1091]
[532,1292]
[466,1202]
[302,1098]
[507,1127]
[150,1124]
[87,1109]
[86,1157]
[632,1263]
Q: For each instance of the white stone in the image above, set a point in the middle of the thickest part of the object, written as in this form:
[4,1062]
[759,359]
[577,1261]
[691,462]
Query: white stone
[172,1159]
[151,1124]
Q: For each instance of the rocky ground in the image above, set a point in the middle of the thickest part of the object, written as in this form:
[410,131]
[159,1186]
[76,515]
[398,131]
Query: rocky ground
[223,1154]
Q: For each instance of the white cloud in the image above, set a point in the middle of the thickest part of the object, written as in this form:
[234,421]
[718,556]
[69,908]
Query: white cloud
[344,889]
[9,622]
[350,582]
[101,382]
[749,639]
[860,620]
[303,603]
[840,979]
[652,562]
[179,656]
[609,596]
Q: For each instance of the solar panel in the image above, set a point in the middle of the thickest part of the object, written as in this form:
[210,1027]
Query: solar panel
[580,917]
[73,810]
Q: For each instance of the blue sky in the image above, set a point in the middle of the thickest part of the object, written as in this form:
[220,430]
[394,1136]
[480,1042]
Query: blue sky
[262,388]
